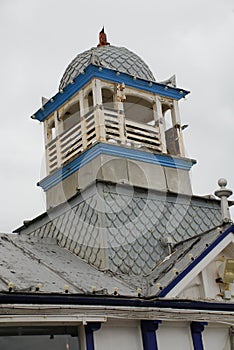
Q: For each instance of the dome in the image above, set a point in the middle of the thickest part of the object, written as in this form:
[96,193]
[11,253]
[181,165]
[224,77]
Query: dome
[116,58]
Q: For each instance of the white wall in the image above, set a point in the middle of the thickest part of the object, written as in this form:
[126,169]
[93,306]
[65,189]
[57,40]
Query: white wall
[126,335]
[174,335]
[118,335]
[216,338]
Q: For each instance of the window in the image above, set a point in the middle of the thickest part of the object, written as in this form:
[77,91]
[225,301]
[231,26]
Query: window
[39,337]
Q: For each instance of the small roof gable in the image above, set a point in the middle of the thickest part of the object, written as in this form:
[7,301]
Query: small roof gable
[190,257]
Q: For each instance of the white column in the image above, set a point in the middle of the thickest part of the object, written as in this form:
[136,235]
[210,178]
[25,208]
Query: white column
[176,122]
[46,138]
[223,193]
[81,102]
[58,146]
[175,113]
[158,117]
[99,113]
[97,92]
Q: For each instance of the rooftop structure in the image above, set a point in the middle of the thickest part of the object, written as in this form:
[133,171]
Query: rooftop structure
[125,253]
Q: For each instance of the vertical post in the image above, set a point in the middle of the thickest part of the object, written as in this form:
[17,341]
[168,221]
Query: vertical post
[122,130]
[46,140]
[120,98]
[58,146]
[97,92]
[196,331]
[89,329]
[158,117]
[98,111]
[148,331]
[176,122]
[82,120]
[81,102]
[223,193]
[83,133]
[232,338]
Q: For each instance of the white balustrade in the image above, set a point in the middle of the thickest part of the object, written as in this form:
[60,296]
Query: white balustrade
[101,125]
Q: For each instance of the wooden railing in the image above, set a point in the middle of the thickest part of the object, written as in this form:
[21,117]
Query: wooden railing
[100,125]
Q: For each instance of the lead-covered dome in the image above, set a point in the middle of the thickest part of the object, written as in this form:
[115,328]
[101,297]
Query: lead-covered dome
[117,58]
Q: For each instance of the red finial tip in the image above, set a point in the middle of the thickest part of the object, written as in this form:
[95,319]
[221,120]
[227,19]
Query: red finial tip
[102,38]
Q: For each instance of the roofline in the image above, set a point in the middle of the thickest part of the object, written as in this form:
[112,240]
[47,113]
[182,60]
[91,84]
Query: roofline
[95,300]
[93,71]
[189,268]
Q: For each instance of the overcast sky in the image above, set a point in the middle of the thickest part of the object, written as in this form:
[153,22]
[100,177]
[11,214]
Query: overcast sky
[39,38]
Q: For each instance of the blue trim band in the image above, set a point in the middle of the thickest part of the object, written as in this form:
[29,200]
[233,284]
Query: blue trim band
[109,75]
[196,331]
[171,285]
[89,329]
[148,332]
[112,150]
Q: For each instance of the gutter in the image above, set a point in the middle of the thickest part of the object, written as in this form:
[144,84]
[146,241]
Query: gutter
[92,300]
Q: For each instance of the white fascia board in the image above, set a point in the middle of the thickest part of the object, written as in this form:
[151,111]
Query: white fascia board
[81,314]
[49,319]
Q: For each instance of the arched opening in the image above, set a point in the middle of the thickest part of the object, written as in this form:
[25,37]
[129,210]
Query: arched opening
[107,98]
[88,102]
[138,109]
[71,117]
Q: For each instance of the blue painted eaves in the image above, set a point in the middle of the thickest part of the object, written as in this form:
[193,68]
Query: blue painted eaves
[107,74]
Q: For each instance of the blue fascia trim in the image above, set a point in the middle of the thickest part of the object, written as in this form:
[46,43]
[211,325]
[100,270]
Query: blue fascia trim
[171,285]
[112,150]
[89,329]
[196,331]
[148,332]
[93,71]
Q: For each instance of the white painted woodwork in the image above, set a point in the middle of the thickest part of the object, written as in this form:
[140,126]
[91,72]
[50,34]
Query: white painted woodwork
[175,114]
[105,126]
[137,131]
[174,336]
[216,337]
[161,122]
[204,285]
[116,335]
[208,259]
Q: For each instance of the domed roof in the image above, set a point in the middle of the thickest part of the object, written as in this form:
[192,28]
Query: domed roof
[116,58]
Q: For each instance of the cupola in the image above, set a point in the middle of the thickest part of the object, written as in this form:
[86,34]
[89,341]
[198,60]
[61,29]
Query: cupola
[112,121]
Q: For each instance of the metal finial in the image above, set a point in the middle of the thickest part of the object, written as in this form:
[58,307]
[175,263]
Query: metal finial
[223,193]
[103,38]
[222,182]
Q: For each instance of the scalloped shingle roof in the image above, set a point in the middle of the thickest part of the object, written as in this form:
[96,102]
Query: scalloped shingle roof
[112,57]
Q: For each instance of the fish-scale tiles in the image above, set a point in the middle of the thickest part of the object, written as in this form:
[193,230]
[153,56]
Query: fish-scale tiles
[127,237]
[112,57]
